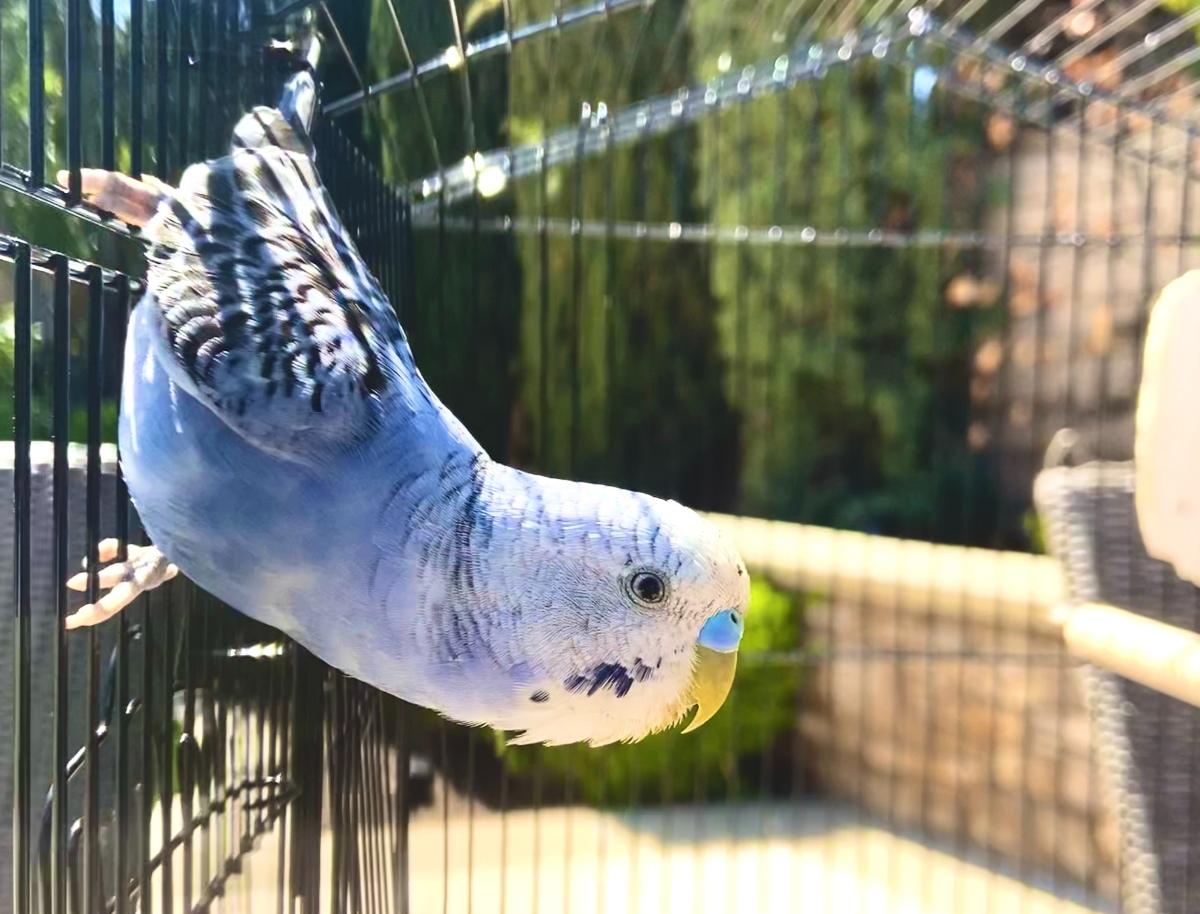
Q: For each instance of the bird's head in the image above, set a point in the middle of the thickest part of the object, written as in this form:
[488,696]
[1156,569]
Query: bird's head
[631,612]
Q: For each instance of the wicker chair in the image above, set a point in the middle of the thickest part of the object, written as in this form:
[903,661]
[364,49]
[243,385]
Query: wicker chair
[44,586]
[1148,744]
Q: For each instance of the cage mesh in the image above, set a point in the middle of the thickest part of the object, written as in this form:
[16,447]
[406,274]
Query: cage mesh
[837,273]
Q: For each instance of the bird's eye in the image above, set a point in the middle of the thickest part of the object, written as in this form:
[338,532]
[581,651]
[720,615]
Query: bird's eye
[647,587]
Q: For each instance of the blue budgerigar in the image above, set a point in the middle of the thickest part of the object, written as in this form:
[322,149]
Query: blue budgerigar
[284,453]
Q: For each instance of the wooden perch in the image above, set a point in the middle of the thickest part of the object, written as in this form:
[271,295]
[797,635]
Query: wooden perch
[1003,587]
[909,575]
[1155,654]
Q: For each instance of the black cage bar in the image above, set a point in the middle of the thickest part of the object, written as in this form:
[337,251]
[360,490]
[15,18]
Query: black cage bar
[147,763]
[836,273]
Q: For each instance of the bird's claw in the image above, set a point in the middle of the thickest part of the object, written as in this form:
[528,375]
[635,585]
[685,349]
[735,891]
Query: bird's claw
[129,199]
[144,569]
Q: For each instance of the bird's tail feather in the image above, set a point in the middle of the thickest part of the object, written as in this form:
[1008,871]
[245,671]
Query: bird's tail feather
[288,126]
[299,101]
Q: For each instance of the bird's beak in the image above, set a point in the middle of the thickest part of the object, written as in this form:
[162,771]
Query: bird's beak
[716,663]
[712,678]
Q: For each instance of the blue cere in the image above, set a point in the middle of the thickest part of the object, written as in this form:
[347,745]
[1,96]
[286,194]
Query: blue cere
[723,631]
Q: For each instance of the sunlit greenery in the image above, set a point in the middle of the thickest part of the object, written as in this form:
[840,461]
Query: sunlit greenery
[826,384]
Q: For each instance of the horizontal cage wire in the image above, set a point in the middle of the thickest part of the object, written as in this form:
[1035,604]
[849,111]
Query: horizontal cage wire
[865,282]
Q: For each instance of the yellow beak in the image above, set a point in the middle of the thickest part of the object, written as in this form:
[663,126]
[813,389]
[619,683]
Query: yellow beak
[712,678]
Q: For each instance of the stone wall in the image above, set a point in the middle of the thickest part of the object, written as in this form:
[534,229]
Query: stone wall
[974,731]
[1070,353]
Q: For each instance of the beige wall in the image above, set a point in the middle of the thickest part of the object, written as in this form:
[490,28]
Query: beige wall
[968,729]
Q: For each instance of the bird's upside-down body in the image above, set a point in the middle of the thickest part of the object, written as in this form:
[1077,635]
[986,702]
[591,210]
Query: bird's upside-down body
[283,451]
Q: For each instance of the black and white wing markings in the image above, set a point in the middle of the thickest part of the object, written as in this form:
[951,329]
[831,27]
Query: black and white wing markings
[266,306]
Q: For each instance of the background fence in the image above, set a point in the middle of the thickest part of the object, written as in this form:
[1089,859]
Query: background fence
[836,272]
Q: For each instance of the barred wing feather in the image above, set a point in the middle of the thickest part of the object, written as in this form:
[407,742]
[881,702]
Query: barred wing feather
[268,313]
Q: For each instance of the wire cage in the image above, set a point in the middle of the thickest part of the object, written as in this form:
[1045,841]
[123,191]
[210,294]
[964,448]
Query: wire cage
[835,273]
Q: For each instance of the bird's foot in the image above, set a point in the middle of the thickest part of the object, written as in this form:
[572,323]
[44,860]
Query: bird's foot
[144,569]
[129,199]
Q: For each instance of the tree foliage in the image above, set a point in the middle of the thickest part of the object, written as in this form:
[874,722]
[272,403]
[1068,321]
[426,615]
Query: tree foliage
[825,383]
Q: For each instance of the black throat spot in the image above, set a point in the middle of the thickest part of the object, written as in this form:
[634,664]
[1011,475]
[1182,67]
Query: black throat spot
[614,676]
